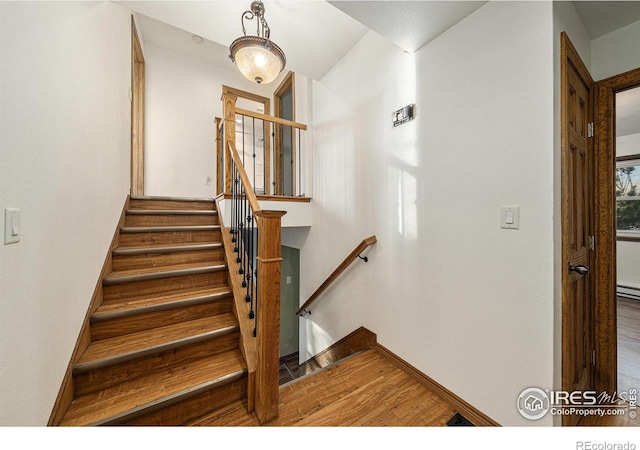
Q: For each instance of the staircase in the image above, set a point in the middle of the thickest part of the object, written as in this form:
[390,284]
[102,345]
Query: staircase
[164,342]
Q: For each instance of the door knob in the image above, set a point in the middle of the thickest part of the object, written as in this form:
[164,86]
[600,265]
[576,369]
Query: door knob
[580,268]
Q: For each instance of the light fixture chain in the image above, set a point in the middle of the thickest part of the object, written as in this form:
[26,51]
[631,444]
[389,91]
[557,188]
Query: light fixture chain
[265,27]
[246,15]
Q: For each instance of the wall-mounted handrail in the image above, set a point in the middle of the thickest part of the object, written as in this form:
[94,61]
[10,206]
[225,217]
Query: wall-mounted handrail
[336,273]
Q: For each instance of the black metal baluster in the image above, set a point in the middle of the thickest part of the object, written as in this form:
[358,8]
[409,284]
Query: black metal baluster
[265,132]
[247,243]
[249,271]
[281,161]
[243,164]
[256,297]
[291,162]
[253,137]
[299,190]
[254,245]
[234,205]
[240,230]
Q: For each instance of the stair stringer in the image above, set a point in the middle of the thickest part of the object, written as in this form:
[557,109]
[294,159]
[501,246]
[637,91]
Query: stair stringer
[248,346]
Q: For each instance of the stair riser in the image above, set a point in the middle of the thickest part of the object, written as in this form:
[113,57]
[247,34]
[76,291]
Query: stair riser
[160,220]
[168,204]
[146,321]
[169,238]
[148,260]
[194,407]
[164,286]
[126,371]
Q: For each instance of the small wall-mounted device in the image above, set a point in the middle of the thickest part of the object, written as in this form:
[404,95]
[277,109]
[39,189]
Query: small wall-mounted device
[11,225]
[510,218]
[404,115]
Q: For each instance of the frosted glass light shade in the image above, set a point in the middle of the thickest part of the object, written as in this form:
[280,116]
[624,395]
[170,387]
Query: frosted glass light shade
[257,58]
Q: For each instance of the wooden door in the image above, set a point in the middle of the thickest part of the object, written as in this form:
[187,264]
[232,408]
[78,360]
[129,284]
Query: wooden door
[577,219]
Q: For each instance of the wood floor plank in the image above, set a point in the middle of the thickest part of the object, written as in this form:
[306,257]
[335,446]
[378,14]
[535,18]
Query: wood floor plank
[365,390]
[628,315]
[628,312]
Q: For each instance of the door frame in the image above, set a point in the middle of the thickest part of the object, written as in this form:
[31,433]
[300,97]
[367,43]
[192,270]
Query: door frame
[266,103]
[288,82]
[570,57]
[606,331]
[137,112]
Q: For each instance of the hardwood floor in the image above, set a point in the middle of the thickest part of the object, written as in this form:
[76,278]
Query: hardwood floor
[364,390]
[628,362]
[628,344]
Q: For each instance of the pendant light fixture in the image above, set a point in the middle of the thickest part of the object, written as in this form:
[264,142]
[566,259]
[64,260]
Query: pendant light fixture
[258,58]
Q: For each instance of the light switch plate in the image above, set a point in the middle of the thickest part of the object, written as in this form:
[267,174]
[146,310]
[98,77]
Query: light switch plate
[510,217]
[11,225]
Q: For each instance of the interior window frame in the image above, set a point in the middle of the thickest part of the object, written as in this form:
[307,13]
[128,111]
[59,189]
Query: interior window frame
[626,161]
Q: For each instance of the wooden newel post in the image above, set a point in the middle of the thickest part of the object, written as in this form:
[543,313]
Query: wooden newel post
[268,315]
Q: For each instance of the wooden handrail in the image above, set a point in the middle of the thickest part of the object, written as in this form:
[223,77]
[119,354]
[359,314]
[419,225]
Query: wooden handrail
[248,189]
[336,273]
[263,387]
[272,119]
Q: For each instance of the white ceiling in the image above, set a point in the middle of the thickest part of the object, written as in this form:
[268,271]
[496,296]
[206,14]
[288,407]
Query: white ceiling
[603,17]
[316,34]
[409,24]
[313,34]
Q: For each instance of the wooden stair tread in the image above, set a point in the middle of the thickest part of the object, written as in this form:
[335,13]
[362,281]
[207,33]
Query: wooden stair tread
[173,199]
[115,308]
[167,228]
[108,405]
[177,212]
[128,346]
[148,273]
[133,250]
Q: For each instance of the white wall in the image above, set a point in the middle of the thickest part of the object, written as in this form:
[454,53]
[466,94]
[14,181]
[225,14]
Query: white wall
[616,52]
[183,97]
[628,145]
[466,302]
[65,126]
[628,266]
